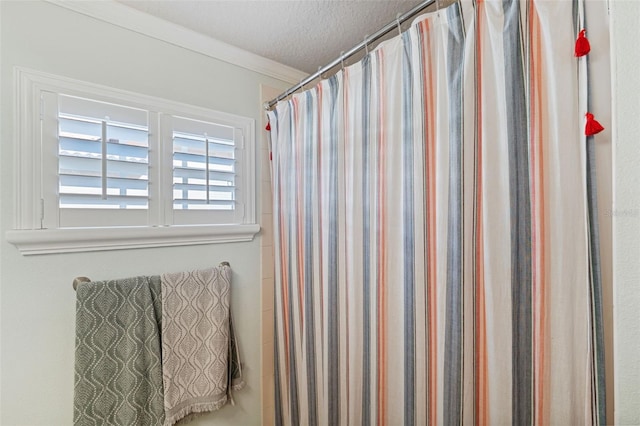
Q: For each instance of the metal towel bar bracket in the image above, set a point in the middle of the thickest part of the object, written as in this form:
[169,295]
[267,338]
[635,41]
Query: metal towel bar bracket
[79,280]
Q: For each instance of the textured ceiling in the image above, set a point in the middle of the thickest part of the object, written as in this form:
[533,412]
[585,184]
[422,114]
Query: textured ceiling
[303,34]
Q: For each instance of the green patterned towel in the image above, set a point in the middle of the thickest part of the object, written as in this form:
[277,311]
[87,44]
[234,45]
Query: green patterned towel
[118,366]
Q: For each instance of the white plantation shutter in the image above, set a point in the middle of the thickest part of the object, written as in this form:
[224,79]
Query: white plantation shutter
[203,166]
[103,163]
[103,155]
[205,173]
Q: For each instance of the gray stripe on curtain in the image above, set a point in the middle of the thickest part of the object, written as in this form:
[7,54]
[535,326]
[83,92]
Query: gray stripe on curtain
[409,237]
[377,99]
[308,146]
[454,296]
[366,260]
[334,263]
[597,321]
[519,193]
[291,222]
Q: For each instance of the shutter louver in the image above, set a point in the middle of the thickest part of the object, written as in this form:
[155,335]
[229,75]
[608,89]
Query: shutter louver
[204,171]
[103,152]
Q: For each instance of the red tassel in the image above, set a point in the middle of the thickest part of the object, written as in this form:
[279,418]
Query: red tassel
[582,45]
[592,127]
[268,127]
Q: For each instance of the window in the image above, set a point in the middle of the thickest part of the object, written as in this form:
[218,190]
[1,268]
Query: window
[106,164]
[102,162]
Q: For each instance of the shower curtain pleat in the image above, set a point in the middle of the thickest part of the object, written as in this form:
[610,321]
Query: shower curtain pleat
[434,226]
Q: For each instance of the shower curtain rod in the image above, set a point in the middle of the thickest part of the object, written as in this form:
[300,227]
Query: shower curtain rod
[381,32]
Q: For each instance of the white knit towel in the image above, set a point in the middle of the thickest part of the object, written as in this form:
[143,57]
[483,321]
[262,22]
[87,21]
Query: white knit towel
[200,362]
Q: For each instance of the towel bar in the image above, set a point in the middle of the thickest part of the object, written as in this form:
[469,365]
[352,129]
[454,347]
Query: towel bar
[79,280]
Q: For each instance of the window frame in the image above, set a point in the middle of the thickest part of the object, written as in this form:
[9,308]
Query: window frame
[35,214]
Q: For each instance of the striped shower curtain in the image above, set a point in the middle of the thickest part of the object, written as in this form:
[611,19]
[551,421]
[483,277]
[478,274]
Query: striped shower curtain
[436,243]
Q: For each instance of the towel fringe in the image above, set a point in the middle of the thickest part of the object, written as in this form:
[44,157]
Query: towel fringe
[190,413]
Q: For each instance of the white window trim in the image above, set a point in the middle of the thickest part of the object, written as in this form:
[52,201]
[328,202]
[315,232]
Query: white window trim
[30,238]
[70,240]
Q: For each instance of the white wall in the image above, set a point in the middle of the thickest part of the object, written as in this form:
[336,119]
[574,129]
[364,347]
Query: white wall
[37,305]
[625,16]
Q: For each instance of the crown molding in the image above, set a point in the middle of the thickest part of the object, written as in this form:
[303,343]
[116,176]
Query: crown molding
[143,23]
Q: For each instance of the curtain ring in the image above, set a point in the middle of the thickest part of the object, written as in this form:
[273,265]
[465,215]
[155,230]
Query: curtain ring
[366,44]
[438,7]
[320,72]
[398,22]
[342,59]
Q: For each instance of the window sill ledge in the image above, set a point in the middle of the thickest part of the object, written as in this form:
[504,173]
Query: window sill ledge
[72,240]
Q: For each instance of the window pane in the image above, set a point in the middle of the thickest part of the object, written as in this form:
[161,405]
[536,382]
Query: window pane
[134,154]
[70,184]
[183,144]
[198,177]
[78,201]
[129,135]
[75,127]
[221,151]
[79,147]
[80,166]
